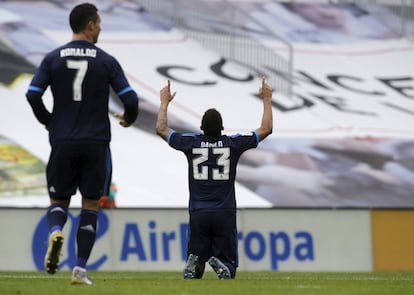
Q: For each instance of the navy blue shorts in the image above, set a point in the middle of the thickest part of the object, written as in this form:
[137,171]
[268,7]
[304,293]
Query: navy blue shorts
[213,234]
[86,167]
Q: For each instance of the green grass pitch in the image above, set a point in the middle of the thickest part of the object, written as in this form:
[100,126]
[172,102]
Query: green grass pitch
[251,283]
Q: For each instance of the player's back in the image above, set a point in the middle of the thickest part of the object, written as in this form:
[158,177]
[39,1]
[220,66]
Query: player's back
[79,75]
[212,166]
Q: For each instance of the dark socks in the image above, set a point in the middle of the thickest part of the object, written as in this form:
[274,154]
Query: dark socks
[56,217]
[86,236]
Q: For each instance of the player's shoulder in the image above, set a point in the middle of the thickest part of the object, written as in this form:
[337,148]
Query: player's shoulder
[245,134]
[187,137]
[103,52]
[186,134]
[54,52]
[104,55]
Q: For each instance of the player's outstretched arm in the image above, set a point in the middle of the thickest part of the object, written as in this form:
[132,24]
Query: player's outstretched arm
[162,119]
[266,126]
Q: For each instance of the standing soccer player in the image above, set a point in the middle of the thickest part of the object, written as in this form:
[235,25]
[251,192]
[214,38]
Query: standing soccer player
[80,76]
[212,160]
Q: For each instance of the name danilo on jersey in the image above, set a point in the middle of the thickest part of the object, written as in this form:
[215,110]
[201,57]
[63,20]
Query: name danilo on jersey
[211,144]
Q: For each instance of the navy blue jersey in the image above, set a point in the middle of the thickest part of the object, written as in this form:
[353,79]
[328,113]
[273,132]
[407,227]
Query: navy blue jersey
[212,166]
[80,75]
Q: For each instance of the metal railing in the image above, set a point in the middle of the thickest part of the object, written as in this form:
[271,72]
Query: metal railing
[217,25]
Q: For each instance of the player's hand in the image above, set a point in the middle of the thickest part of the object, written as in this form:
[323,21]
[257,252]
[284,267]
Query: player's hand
[121,118]
[265,91]
[165,94]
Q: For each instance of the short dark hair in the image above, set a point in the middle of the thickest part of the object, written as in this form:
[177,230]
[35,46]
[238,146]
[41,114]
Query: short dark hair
[212,123]
[81,15]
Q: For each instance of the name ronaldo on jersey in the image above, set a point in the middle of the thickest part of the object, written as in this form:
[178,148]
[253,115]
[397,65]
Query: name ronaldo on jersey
[89,52]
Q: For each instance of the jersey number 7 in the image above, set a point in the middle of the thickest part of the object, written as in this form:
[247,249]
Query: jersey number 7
[81,66]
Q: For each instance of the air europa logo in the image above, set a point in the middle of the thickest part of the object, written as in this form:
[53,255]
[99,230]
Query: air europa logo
[41,237]
[154,242]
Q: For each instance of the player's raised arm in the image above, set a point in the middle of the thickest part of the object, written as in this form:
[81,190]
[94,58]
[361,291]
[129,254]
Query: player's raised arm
[266,126]
[162,119]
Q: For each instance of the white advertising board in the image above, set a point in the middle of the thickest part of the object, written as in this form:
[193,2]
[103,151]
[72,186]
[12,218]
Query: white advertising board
[155,239]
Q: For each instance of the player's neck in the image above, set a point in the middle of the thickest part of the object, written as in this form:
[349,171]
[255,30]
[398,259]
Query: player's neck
[81,36]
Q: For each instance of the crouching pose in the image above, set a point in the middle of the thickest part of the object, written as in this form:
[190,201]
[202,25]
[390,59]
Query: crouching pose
[212,158]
